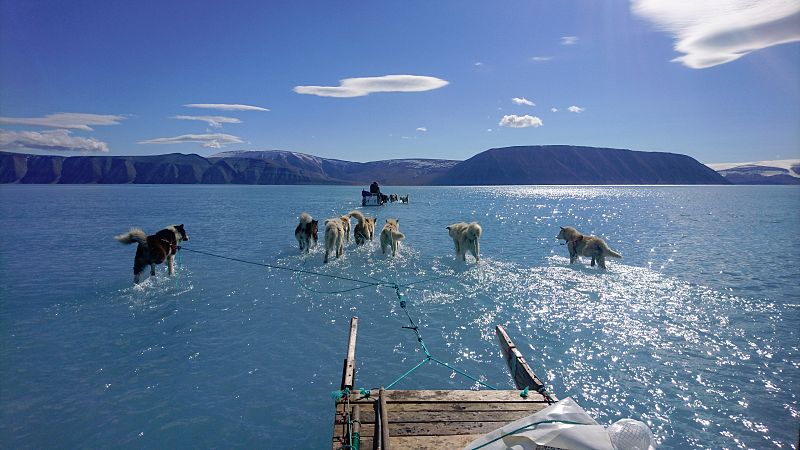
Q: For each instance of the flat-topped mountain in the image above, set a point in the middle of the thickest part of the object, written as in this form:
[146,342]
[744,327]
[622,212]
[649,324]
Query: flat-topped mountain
[553,164]
[566,164]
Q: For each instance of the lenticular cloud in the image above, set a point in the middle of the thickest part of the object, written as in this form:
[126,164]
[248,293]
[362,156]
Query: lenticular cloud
[714,32]
[358,87]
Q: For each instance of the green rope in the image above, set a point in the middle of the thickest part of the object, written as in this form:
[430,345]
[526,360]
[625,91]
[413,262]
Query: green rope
[428,356]
[529,426]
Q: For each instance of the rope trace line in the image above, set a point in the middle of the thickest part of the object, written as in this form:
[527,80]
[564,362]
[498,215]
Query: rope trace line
[428,357]
[414,327]
[290,269]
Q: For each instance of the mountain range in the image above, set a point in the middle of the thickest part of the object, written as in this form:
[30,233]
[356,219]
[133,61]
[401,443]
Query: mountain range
[546,164]
[783,171]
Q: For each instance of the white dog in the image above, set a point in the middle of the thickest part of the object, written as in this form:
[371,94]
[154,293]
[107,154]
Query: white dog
[334,237]
[466,237]
[391,236]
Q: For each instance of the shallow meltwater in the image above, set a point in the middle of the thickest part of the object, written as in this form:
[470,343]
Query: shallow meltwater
[693,332]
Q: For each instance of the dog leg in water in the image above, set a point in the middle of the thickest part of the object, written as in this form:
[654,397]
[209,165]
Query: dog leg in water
[152,270]
[171,265]
[592,261]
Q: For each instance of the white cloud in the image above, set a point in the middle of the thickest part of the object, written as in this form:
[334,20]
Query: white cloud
[478,63]
[569,40]
[51,140]
[358,87]
[554,109]
[576,109]
[522,101]
[226,107]
[713,32]
[212,121]
[514,121]
[213,140]
[76,121]
[541,58]
[422,129]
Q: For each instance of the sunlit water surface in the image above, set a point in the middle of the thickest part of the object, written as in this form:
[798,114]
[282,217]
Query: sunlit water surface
[694,332]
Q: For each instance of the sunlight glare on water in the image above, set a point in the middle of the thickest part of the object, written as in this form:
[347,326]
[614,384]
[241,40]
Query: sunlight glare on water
[694,332]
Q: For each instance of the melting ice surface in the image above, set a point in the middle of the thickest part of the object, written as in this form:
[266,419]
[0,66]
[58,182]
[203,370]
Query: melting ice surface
[694,332]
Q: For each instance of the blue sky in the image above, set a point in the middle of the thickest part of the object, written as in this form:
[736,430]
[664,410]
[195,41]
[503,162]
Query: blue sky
[120,74]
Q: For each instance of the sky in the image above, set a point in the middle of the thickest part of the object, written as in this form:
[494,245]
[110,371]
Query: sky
[718,80]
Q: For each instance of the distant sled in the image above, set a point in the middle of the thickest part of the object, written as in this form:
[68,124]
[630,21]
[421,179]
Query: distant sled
[371,199]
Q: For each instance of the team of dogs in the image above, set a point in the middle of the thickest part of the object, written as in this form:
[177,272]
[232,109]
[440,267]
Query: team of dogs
[162,246]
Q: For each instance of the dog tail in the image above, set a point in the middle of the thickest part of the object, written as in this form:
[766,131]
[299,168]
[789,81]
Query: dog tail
[359,217]
[305,218]
[135,235]
[608,252]
[474,230]
[398,236]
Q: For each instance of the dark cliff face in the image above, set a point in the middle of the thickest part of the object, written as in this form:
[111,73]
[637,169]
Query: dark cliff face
[511,165]
[561,164]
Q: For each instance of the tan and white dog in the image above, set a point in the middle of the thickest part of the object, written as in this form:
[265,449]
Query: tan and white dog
[346,227]
[391,236]
[334,238]
[365,228]
[583,245]
[466,237]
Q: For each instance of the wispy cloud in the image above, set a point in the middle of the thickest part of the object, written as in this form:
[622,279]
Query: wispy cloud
[522,101]
[213,121]
[714,32]
[478,63]
[554,109]
[51,140]
[541,58]
[225,107]
[422,129]
[576,109]
[569,40]
[358,87]
[213,140]
[76,121]
[514,121]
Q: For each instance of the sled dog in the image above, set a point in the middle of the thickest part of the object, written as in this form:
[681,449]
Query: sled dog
[364,229]
[334,238]
[306,232]
[155,249]
[582,245]
[466,237]
[391,236]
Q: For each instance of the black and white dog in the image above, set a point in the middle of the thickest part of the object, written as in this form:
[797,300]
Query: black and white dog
[306,232]
[154,249]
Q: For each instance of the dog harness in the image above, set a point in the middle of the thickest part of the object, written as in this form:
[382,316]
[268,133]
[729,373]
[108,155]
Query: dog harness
[173,246]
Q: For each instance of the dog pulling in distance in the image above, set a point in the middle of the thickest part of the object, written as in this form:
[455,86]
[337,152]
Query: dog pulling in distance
[391,236]
[306,232]
[582,245]
[155,249]
[466,237]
